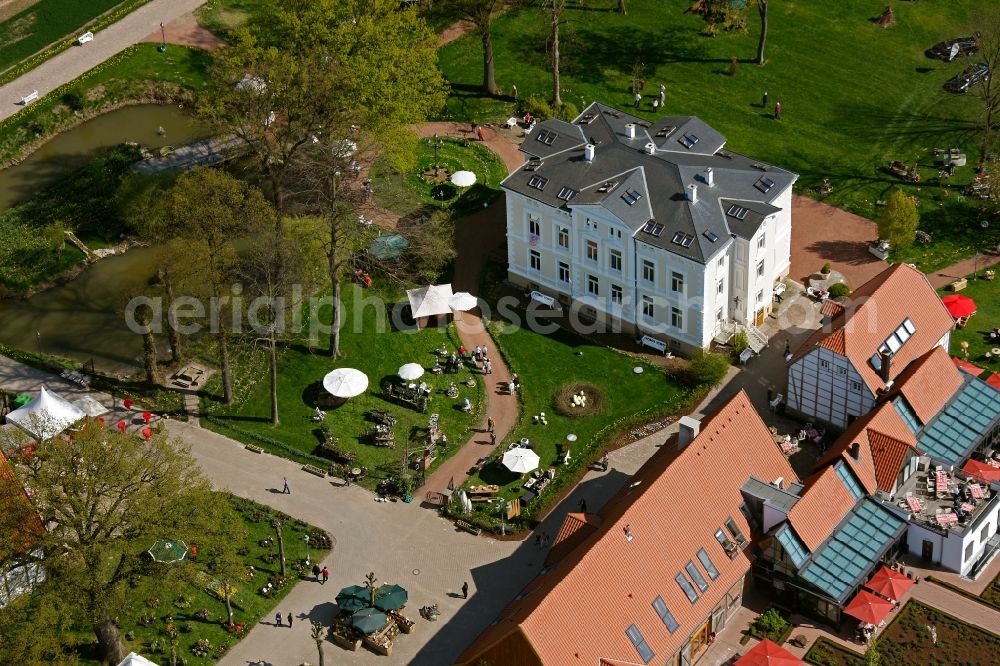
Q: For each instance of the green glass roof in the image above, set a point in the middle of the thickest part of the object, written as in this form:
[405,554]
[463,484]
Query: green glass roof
[958,427]
[794,548]
[851,483]
[838,566]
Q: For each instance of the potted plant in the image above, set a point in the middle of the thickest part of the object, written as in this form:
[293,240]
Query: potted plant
[827,268]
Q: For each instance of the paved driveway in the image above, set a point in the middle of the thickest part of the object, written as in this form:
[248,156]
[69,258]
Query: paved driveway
[822,233]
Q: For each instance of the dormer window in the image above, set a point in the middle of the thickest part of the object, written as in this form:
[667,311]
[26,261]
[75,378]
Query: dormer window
[546,137]
[764,184]
[566,193]
[631,196]
[682,239]
[653,228]
[537,182]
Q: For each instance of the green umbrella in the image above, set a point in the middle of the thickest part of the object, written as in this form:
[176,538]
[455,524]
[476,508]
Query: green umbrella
[391,597]
[368,620]
[353,598]
[168,552]
[388,247]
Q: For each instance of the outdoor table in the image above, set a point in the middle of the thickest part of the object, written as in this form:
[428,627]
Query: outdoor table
[968,508]
[356,471]
[940,482]
[977,491]
[484,490]
[914,504]
[946,518]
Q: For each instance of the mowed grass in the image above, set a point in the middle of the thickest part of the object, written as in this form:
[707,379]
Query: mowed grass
[854,96]
[43,23]
[547,363]
[409,193]
[378,350]
[986,294]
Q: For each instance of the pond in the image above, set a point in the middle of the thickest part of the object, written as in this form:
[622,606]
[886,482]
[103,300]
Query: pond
[81,319]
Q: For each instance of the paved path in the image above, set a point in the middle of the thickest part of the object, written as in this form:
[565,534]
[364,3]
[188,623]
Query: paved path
[71,63]
[949,274]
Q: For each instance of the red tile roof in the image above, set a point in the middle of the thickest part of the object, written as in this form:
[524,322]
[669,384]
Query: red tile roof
[929,382]
[874,311]
[578,612]
[822,505]
[888,454]
[575,528]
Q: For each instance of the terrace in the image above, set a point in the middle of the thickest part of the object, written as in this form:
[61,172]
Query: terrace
[945,500]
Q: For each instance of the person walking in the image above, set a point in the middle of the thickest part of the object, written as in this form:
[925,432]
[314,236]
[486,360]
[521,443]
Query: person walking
[638,100]
[489,367]
[277,620]
[545,539]
[477,353]
[491,425]
[663,94]
[777,110]
[326,575]
[465,590]
[479,133]
[485,351]
[286,490]
[493,438]
[289,620]
[513,91]
[763,102]
[316,572]
[538,540]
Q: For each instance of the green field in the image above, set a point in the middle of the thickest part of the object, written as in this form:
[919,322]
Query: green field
[547,363]
[45,22]
[378,353]
[986,294]
[854,96]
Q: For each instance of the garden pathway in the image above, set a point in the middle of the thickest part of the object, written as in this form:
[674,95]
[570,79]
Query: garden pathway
[949,274]
[73,62]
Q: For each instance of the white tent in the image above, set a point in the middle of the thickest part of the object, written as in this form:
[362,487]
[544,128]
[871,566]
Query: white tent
[134,659]
[46,416]
[90,406]
[430,300]
[463,301]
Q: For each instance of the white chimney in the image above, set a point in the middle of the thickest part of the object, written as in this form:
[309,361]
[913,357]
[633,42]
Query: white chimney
[688,430]
[709,177]
[630,131]
[692,193]
[777,482]
[650,148]
[588,152]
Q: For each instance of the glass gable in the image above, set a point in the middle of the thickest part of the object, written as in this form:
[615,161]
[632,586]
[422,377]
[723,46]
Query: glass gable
[838,566]
[794,548]
[851,483]
[906,413]
[962,423]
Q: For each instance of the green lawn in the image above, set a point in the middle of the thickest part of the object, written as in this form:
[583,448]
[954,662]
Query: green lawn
[409,193]
[378,353]
[866,97]
[224,16]
[547,363]
[986,294]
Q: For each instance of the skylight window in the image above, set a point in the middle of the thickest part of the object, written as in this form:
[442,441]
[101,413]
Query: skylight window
[682,239]
[735,531]
[706,562]
[847,477]
[696,576]
[688,140]
[608,186]
[665,131]
[631,196]
[907,414]
[660,606]
[537,182]
[711,236]
[908,325]
[641,646]
[688,588]
[739,212]
[546,137]
[566,193]
[764,184]
[533,165]
[653,228]
[894,342]
[727,545]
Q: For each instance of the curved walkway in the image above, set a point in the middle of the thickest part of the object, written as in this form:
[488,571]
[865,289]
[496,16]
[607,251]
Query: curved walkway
[73,62]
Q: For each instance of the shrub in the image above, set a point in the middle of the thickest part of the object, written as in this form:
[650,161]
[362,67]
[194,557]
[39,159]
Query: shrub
[769,623]
[740,341]
[707,368]
[202,648]
[839,290]
[543,110]
[73,99]
[827,268]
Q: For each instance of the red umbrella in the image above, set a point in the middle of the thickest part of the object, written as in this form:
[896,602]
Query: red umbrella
[147,416]
[768,653]
[965,366]
[868,608]
[147,433]
[128,403]
[889,583]
[959,305]
[982,470]
[121,426]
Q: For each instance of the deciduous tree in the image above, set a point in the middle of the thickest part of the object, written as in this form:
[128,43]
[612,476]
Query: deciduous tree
[898,221]
[988,25]
[105,497]
[480,13]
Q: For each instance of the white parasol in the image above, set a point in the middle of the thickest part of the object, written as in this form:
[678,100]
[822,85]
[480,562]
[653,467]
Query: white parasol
[410,371]
[462,301]
[463,178]
[345,382]
[520,460]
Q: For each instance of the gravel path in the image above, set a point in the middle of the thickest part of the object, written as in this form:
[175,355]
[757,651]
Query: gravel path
[70,64]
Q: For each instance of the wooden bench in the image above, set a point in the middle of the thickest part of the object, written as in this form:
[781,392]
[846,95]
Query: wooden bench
[29,98]
[254,448]
[84,38]
[312,469]
[471,529]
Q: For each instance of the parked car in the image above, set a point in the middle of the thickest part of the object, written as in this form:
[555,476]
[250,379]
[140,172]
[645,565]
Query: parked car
[953,48]
[969,77]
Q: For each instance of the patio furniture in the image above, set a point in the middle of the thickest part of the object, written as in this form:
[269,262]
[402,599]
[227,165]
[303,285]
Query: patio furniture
[915,505]
[483,490]
[977,491]
[945,519]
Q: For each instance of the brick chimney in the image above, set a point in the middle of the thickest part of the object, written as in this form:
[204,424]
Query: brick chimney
[885,367]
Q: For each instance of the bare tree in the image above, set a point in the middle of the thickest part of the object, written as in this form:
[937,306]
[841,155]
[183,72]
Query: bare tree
[988,91]
[317,636]
[762,13]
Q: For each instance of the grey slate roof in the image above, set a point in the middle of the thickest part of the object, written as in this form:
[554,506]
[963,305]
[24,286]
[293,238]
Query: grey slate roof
[684,148]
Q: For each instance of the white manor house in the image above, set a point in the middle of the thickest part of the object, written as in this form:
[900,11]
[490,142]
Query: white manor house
[653,227]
